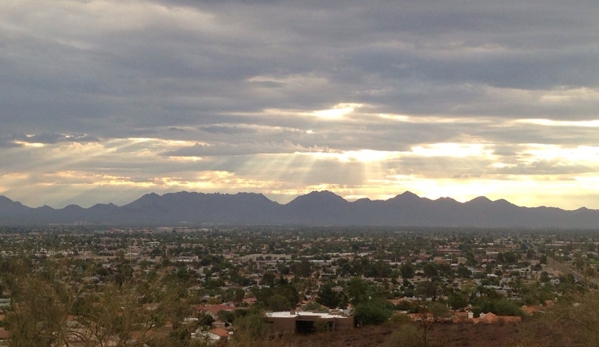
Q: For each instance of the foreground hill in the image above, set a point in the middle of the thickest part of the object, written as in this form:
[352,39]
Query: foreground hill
[446,335]
[316,208]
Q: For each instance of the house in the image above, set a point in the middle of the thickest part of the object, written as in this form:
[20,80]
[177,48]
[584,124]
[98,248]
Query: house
[302,322]
[212,336]
[461,317]
[217,334]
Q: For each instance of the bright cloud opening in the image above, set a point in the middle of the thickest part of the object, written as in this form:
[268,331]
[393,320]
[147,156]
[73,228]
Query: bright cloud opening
[338,111]
[456,150]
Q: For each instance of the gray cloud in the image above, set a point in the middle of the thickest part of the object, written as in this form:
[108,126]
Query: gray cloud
[48,138]
[241,149]
[227,130]
[243,78]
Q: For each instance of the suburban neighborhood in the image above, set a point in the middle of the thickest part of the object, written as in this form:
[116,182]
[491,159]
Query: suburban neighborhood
[211,285]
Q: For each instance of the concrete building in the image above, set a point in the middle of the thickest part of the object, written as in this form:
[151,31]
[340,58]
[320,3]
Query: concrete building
[302,322]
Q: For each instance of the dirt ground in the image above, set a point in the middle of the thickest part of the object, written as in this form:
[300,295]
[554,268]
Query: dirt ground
[446,335]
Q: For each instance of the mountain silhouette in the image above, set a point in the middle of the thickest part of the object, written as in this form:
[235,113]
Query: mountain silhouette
[313,209]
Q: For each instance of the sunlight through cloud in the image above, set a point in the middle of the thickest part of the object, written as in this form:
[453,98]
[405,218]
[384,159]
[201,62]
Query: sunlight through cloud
[458,150]
[338,111]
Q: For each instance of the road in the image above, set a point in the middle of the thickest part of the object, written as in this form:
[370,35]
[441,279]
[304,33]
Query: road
[566,269]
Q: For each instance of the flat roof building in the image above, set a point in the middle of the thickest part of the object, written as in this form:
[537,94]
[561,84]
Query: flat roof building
[303,322]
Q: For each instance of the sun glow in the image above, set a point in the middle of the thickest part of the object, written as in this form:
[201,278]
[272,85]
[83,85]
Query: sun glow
[361,155]
[29,144]
[455,150]
[367,156]
[338,111]
[461,170]
[580,154]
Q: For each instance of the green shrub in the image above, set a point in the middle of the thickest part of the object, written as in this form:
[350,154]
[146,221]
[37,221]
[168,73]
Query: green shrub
[373,312]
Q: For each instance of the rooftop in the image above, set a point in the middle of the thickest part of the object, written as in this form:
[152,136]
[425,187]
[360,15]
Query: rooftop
[288,314]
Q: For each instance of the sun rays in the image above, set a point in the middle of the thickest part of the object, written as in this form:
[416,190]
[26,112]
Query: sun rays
[121,169]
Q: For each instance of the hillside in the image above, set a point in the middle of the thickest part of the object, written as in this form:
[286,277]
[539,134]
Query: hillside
[446,335]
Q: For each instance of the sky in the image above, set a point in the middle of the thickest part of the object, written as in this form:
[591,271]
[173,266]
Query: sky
[106,100]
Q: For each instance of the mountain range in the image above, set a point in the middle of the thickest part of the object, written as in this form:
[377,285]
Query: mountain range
[314,209]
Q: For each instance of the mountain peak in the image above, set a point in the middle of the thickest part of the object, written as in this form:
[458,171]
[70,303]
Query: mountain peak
[145,200]
[446,199]
[73,207]
[406,197]
[6,202]
[323,196]
[326,194]
[321,192]
[480,199]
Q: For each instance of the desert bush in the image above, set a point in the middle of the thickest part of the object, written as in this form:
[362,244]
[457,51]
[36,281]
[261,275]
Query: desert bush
[400,318]
[407,335]
[566,324]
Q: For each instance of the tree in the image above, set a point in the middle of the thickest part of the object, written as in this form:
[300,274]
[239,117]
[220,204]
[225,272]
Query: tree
[463,272]
[445,269]
[428,289]
[373,312]
[430,270]
[38,313]
[280,297]
[510,257]
[357,291]
[501,307]
[407,270]
[378,269]
[438,310]
[302,269]
[328,297]
[225,316]
[458,300]
[278,303]
[314,306]
[252,326]
[205,319]
[268,279]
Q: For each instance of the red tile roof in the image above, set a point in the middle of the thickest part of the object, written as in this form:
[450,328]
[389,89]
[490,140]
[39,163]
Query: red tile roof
[223,333]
